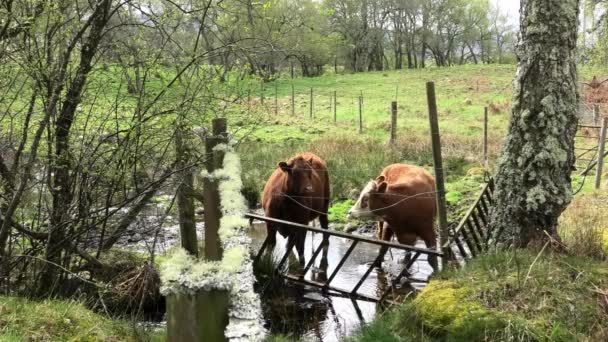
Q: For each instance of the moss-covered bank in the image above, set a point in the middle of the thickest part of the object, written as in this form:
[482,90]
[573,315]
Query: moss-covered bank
[54,320]
[506,296]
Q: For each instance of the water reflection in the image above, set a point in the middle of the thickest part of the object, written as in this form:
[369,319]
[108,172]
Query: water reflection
[305,312]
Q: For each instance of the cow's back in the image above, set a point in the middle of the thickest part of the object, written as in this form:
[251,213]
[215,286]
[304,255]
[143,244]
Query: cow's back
[411,195]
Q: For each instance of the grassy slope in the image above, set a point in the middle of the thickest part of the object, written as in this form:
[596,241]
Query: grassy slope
[505,296]
[53,320]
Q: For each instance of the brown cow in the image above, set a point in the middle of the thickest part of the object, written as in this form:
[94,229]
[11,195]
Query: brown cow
[297,191]
[403,197]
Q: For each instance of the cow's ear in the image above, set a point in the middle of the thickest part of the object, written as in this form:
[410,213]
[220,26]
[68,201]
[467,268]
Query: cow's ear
[283,165]
[380,179]
[310,160]
[382,187]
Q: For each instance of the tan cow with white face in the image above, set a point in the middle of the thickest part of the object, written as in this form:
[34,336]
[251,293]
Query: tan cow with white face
[402,199]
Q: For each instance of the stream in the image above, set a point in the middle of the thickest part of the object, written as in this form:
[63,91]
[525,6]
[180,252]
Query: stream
[307,314]
[302,312]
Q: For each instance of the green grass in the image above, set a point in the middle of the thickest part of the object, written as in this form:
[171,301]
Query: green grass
[54,320]
[509,295]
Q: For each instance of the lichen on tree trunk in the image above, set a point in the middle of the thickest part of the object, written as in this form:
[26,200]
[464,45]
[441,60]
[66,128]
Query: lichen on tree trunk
[533,181]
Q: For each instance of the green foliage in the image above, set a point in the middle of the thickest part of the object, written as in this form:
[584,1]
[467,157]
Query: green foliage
[54,320]
[338,210]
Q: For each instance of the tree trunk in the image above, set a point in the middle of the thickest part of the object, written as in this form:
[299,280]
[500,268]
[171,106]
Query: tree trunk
[533,182]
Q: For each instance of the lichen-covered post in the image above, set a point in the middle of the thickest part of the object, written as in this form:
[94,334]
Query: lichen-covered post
[214,300]
[211,195]
[438,162]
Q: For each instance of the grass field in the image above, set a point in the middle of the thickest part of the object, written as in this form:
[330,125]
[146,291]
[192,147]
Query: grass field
[353,158]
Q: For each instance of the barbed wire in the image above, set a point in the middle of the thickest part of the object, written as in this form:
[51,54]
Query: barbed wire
[372,210]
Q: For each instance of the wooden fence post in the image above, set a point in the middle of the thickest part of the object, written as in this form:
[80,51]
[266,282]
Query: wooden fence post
[393,122]
[293,101]
[262,93]
[203,316]
[596,114]
[276,99]
[311,105]
[185,202]
[214,159]
[335,106]
[439,180]
[485,137]
[361,114]
[600,156]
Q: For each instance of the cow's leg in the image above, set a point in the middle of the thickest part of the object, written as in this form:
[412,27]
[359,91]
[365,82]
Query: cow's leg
[407,239]
[271,235]
[387,234]
[430,240]
[300,240]
[379,230]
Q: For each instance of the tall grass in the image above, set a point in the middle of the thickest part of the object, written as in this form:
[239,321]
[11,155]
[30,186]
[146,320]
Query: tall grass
[584,226]
[353,161]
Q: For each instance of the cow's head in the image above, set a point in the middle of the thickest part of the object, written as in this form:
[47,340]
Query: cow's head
[367,200]
[299,175]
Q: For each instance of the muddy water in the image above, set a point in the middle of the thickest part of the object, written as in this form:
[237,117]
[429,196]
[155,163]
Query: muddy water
[307,314]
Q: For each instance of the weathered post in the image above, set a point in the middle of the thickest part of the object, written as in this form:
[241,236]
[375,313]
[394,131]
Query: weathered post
[293,101]
[203,315]
[276,99]
[485,137]
[214,159]
[185,202]
[311,105]
[596,114]
[601,149]
[335,108]
[360,114]
[262,93]
[393,122]
[436,141]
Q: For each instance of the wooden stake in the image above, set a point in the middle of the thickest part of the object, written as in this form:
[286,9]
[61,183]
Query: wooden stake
[596,114]
[185,202]
[600,157]
[439,180]
[276,99]
[262,93]
[485,137]
[393,122]
[293,101]
[311,105]
[211,195]
[360,114]
[335,108]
